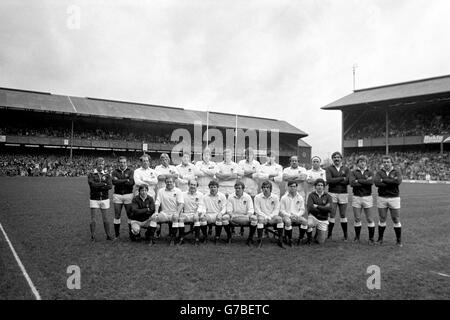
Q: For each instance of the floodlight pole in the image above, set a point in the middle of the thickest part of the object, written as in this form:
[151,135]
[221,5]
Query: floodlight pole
[71,142]
[354,75]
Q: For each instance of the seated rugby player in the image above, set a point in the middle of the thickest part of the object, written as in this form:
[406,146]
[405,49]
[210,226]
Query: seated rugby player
[192,210]
[240,211]
[267,209]
[292,208]
[215,206]
[319,208]
[142,215]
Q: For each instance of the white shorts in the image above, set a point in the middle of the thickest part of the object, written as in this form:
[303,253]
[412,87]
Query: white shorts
[99,204]
[188,217]
[321,225]
[269,220]
[340,198]
[297,219]
[164,217]
[391,203]
[210,217]
[362,202]
[122,198]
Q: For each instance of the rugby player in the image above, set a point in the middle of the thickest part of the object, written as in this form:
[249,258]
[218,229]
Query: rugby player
[170,200]
[292,209]
[267,210]
[165,170]
[271,171]
[388,180]
[186,171]
[142,215]
[145,176]
[249,166]
[338,177]
[361,180]
[313,174]
[295,173]
[240,211]
[215,206]
[192,210]
[319,206]
[206,170]
[99,183]
[123,181]
[227,173]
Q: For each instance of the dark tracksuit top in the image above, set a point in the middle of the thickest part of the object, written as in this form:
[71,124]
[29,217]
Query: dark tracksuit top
[125,181]
[324,205]
[362,188]
[142,210]
[388,183]
[99,184]
[337,180]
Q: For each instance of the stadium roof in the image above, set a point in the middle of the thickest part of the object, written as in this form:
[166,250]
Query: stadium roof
[405,90]
[47,102]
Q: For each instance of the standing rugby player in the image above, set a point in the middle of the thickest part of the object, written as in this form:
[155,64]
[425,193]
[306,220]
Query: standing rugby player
[338,177]
[165,170]
[99,183]
[206,170]
[313,174]
[170,200]
[145,176]
[186,171]
[267,209]
[271,171]
[388,180]
[361,180]
[227,173]
[123,181]
[295,173]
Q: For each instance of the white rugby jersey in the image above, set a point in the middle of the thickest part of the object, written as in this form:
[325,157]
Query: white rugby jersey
[292,205]
[313,175]
[161,170]
[215,204]
[205,173]
[228,168]
[291,172]
[147,177]
[185,173]
[241,205]
[193,203]
[267,206]
[263,174]
[168,200]
[251,185]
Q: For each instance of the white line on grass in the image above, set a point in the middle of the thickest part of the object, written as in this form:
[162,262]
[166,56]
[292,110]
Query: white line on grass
[24,272]
[441,274]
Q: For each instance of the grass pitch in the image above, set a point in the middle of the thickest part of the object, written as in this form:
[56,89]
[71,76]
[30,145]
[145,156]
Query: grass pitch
[47,221]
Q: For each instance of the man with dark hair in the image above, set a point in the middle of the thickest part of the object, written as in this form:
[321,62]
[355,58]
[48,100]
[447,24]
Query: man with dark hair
[123,181]
[271,171]
[267,209]
[319,207]
[215,206]
[338,177]
[142,215]
[99,183]
[361,180]
[240,212]
[388,180]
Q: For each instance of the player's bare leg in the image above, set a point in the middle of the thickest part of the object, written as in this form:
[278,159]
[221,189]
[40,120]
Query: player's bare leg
[117,213]
[382,212]
[342,213]
[92,224]
[332,219]
[357,223]
[106,224]
[395,215]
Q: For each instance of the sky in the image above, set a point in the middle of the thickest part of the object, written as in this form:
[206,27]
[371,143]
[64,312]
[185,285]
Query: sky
[277,59]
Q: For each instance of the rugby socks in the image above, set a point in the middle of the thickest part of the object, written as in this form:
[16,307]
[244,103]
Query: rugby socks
[371,227]
[204,231]
[381,228]
[218,230]
[398,231]
[309,236]
[302,230]
[227,228]
[358,229]
[181,230]
[260,233]
[197,232]
[117,227]
[252,232]
[344,227]
[330,226]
